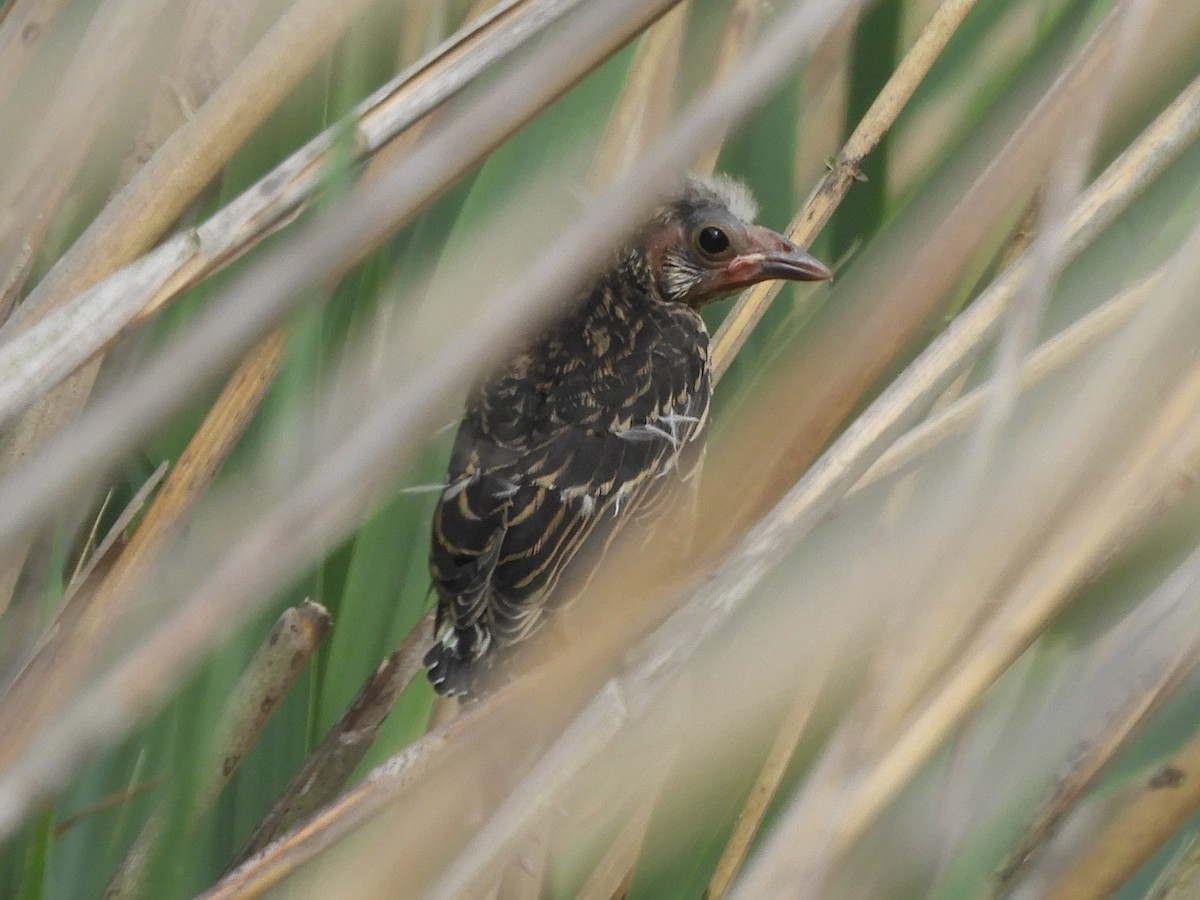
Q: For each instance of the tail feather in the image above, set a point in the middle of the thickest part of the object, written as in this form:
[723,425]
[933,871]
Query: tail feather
[456,661]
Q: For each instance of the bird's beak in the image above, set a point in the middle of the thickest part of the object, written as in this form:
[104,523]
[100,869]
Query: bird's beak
[770,255]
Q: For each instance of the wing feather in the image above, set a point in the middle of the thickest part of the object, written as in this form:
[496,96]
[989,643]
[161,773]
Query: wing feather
[542,478]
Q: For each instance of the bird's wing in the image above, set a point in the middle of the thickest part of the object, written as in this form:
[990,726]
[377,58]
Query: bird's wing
[511,523]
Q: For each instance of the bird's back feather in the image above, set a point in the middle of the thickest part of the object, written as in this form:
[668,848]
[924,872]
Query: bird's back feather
[592,425]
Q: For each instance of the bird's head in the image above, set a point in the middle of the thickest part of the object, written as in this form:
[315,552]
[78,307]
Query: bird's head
[702,245]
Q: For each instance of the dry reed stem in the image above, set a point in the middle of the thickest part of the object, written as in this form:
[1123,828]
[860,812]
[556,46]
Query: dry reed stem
[326,772]
[37,360]
[741,27]
[1163,458]
[1051,357]
[1093,757]
[270,674]
[791,730]
[646,99]
[329,767]
[1136,831]
[145,208]
[24,25]
[68,654]
[751,307]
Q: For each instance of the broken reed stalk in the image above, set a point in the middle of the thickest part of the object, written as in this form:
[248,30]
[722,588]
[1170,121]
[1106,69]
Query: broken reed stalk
[329,767]
[267,678]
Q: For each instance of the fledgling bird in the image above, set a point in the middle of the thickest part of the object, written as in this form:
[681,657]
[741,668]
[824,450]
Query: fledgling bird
[591,425]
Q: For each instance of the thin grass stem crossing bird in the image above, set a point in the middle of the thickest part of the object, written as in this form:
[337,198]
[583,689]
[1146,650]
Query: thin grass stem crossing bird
[594,423]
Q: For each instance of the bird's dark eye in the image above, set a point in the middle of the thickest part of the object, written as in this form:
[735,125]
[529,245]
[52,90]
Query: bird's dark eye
[712,241]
